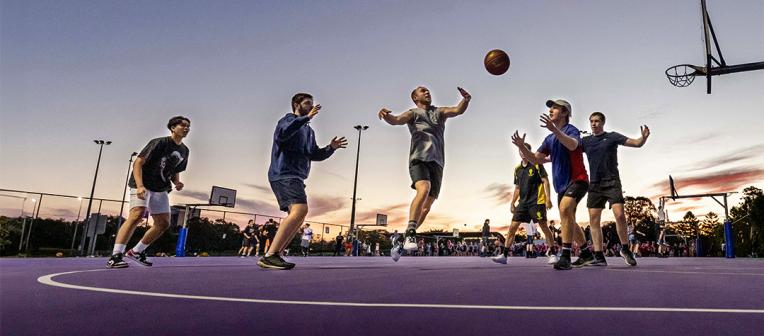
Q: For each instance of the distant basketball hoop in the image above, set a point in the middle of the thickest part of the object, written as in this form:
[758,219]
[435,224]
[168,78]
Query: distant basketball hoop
[223,197]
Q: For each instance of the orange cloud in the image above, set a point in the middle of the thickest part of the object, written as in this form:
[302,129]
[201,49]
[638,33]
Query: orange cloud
[717,182]
[501,192]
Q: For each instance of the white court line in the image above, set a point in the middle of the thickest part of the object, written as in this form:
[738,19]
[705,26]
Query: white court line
[48,280]
[681,272]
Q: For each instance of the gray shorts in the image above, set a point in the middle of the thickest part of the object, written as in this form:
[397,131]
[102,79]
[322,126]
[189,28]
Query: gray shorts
[305,243]
[156,202]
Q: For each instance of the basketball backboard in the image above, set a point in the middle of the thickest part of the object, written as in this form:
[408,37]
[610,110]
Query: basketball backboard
[381,220]
[223,197]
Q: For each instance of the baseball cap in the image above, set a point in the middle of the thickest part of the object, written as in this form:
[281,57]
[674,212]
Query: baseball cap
[560,102]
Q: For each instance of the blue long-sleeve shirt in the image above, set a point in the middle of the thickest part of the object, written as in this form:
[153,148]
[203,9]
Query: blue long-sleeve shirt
[294,147]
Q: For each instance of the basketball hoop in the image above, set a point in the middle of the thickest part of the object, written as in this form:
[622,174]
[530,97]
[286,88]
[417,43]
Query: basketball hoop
[683,75]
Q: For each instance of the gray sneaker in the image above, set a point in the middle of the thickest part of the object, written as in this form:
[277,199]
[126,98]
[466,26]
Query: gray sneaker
[499,259]
[396,252]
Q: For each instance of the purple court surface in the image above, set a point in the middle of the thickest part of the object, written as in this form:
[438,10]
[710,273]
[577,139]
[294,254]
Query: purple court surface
[376,296]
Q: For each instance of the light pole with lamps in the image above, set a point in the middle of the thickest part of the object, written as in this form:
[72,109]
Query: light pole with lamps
[124,191]
[92,190]
[355,179]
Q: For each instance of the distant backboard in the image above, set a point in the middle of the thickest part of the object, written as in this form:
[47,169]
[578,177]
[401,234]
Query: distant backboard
[381,220]
[223,197]
[674,193]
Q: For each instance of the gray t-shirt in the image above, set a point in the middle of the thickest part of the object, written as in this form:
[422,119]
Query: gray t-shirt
[427,129]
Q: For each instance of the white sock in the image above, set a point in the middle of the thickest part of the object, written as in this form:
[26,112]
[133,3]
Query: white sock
[119,248]
[140,247]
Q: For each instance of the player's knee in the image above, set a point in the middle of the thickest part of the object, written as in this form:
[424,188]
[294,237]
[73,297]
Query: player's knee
[568,209]
[163,226]
[422,187]
[302,210]
[135,214]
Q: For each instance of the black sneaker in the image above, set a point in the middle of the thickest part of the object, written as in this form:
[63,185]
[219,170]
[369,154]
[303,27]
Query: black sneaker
[563,264]
[116,261]
[628,257]
[586,258]
[139,257]
[598,262]
[274,261]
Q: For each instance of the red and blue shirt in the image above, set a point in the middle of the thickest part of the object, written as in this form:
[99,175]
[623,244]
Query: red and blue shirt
[567,165]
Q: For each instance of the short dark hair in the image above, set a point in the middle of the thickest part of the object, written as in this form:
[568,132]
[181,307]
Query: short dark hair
[174,121]
[298,98]
[413,93]
[598,114]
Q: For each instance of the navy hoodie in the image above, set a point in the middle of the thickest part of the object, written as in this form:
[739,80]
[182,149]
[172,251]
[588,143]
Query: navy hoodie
[294,146]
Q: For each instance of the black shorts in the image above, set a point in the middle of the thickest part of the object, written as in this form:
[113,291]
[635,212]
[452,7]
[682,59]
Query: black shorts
[288,192]
[246,242]
[524,213]
[575,189]
[426,171]
[606,191]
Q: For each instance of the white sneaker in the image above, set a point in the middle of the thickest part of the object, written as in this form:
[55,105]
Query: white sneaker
[499,259]
[396,252]
[552,259]
[410,244]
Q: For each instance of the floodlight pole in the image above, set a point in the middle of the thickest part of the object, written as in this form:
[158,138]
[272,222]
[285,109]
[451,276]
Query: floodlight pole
[355,179]
[101,143]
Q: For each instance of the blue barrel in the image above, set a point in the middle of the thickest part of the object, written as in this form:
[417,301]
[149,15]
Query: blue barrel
[729,251]
[180,249]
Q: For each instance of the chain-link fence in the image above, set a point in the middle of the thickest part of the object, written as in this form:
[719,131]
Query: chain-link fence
[45,224]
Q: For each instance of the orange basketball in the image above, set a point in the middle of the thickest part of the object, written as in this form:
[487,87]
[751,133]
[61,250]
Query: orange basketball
[496,62]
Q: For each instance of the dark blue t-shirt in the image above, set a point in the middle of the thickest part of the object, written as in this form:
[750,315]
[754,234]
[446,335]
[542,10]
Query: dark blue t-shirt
[602,153]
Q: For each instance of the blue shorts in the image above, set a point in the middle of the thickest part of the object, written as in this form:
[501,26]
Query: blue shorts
[288,192]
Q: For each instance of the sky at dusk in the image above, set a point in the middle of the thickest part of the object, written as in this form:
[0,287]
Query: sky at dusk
[74,71]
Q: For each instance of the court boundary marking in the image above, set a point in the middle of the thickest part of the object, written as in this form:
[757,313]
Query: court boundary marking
[48,280]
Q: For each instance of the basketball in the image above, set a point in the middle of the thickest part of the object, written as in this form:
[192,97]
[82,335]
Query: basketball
[496,62]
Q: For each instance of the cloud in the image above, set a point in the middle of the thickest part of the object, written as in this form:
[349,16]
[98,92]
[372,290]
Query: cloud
[196,195]
[395,213]
[265,189]
[654,112]
[258,206]
[500,192]
[739,155]
[696,139]
[716,182]
[323,171]
[265,207]
[320,205]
